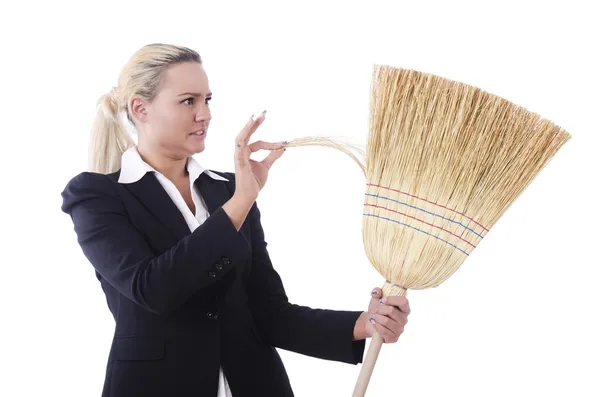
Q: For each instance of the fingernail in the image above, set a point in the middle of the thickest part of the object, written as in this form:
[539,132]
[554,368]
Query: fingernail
[374,292]
[382,300]
[252,117]
[372,320]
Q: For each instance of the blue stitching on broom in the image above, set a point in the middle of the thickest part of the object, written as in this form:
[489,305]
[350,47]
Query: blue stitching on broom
[399,202]
[441,239]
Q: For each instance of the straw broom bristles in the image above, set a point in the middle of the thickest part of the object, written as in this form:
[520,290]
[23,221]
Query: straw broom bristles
[444,162]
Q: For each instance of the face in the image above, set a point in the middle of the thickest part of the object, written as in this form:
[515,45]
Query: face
[177,120]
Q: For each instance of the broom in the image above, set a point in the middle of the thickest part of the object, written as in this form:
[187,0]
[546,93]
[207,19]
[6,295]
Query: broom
[444,161]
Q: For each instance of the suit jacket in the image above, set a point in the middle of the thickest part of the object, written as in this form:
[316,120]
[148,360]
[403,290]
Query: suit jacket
[186,303]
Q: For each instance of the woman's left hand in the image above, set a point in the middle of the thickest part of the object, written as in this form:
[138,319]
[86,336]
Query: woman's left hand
[387,317]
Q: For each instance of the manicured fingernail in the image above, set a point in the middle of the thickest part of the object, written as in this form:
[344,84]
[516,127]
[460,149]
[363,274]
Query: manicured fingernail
[374,292]
[372,320]
[382,300]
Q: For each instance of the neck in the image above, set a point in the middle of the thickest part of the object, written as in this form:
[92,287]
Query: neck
[170,166]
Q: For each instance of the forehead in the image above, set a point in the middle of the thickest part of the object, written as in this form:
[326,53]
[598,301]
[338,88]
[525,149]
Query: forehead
[185,77]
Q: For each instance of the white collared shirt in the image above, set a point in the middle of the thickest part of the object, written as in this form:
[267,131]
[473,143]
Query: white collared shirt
[133,168]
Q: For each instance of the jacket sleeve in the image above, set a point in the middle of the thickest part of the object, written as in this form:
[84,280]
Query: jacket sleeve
[161,282]
[320,333]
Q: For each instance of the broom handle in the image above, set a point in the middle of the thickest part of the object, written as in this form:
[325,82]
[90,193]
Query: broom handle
[368,365]
[375,346]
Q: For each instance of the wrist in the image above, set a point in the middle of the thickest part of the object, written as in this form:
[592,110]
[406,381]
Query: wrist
[237,209]
[360,327]
[242,201]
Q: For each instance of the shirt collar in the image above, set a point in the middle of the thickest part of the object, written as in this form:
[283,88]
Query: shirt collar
[133,168]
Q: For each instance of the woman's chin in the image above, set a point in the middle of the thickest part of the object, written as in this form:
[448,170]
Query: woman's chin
[196,147]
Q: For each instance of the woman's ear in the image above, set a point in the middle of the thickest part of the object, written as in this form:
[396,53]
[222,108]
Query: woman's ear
[139,110]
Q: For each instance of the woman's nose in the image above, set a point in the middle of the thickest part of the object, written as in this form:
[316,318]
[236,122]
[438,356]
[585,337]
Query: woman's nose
[203,115]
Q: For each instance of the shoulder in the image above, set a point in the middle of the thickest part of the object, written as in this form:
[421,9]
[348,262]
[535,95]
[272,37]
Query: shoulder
[91,180]
[88,185]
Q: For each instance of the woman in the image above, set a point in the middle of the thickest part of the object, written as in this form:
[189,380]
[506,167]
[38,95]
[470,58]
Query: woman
[180,252]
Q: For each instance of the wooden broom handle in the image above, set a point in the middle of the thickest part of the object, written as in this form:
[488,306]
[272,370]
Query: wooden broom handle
[374,347]
[368,365]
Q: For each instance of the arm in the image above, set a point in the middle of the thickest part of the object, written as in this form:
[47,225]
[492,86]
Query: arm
[120,254]
[325,334]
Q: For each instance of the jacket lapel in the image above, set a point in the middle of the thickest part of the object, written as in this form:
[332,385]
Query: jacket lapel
[214,193]
[151,194]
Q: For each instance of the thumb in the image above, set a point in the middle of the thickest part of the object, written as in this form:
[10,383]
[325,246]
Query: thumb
[272,157]
[376,293]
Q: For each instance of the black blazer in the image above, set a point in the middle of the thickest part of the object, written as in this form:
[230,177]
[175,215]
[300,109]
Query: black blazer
[186,303]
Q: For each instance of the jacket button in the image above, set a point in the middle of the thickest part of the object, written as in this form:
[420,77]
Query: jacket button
[226,261]
[212,274]
[219,266]
[212,315]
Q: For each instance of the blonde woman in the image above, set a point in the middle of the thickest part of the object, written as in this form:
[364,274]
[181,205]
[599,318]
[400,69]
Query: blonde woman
[180,252]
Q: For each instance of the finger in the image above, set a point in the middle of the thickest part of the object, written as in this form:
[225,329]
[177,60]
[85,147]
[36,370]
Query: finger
[399,301]
[258,145]
[390,327]
[385,332]
[271,158]
[249,129]
[241,138]
[384,321]
[242,155]
[394,313]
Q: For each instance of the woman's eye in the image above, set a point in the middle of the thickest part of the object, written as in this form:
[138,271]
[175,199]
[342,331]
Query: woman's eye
[188,101]
[208,100]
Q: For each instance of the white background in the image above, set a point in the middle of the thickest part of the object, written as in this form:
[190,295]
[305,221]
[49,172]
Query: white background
[520,318]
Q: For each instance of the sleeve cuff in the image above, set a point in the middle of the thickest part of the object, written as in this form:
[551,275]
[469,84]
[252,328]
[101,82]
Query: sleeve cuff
[358,350]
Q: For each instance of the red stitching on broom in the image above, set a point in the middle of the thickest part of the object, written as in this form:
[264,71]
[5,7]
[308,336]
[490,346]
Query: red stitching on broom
[420,220]
[431,202]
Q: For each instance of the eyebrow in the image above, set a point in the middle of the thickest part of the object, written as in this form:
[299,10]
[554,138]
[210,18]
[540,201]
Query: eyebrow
[195,94]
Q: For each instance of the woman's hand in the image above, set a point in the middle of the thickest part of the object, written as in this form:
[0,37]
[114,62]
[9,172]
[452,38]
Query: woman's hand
[388,317]
[250,175]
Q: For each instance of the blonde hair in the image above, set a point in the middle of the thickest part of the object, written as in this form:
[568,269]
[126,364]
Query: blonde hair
[141,76]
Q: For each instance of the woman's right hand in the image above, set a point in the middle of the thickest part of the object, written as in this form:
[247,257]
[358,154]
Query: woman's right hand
[251,175]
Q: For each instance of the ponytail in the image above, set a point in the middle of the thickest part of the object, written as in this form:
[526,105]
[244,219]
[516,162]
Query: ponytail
[109,138]
[141,76]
